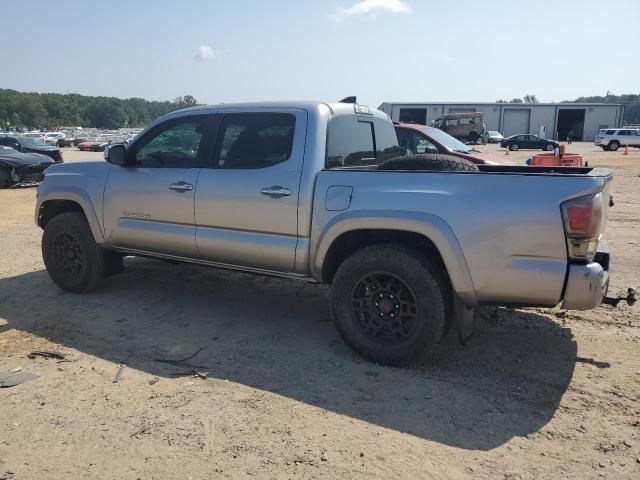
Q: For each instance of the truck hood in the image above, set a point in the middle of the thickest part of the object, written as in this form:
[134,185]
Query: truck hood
[88,167]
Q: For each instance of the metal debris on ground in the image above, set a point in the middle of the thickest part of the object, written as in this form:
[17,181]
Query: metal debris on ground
[119,372]
[194,373]
[9,379]
[140,432]
[46,354]
[183,362]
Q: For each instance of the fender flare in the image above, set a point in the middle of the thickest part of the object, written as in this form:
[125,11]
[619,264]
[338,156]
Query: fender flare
[428,225]
[80,197]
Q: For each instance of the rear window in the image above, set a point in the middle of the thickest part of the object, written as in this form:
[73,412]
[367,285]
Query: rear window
[360,142]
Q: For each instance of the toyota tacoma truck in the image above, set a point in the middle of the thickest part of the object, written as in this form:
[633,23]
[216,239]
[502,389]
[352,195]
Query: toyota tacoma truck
[322,192]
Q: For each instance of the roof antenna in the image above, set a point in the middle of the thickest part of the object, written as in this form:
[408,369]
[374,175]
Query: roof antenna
[348,100]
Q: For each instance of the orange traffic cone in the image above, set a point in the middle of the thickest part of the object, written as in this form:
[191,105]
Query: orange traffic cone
[626,150]
[506,151]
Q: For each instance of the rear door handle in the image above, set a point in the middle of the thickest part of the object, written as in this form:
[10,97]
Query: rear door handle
[181,187]
[276,191]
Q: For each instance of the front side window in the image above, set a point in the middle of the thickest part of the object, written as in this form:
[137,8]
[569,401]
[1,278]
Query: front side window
[177,145]
[254,140]
[414,142]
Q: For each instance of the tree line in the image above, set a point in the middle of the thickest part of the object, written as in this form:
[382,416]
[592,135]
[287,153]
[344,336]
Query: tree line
[51,110]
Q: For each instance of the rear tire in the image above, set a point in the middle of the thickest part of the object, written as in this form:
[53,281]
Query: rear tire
[389,304]
[613,146]
[71,256]
[439,162]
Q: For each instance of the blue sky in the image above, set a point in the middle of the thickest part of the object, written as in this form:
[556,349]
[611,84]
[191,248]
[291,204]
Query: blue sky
[379,50]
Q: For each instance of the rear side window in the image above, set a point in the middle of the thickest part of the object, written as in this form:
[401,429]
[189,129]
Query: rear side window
[354,142]
[623,132]
[254,140]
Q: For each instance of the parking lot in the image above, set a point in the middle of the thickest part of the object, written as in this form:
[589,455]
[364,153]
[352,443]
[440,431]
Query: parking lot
[537,393]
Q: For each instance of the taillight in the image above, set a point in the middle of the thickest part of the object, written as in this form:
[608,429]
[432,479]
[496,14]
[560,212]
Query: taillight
[584,220]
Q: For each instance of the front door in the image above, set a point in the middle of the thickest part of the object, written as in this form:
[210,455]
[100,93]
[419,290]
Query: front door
[149,202]
[247,202]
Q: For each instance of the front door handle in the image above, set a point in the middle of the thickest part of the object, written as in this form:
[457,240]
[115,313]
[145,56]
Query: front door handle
[276,191]
[181,187]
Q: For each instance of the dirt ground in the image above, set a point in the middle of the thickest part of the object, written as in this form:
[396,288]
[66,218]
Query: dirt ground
[536,394]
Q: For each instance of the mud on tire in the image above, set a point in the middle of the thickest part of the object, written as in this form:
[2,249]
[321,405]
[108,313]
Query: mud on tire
[389,304]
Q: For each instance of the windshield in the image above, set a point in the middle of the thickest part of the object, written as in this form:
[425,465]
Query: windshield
[448,141]
[6,150]
[33,142]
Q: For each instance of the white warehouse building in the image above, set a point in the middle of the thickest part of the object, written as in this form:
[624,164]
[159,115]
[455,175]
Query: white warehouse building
[549,120]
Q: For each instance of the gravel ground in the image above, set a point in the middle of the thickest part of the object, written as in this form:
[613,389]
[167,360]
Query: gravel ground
[536,394]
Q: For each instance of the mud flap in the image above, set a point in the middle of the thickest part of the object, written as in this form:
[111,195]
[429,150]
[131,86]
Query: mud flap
[464,316]
[111,263]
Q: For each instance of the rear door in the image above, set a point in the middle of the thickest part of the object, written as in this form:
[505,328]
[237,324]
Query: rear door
[247,199]
[149,202]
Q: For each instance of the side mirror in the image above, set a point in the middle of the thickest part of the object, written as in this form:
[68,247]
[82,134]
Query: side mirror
[115,154]
[431,150]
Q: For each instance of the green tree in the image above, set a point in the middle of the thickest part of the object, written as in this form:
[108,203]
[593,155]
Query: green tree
[530,99]
[106,113]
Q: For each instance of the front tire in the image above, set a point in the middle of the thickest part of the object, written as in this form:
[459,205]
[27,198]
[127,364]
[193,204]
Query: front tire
[548,147]
[389,304]
[613,146]
[5,179]
[514,147]
[71,256]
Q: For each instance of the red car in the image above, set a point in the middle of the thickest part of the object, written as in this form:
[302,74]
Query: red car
[422,139]
[91,146]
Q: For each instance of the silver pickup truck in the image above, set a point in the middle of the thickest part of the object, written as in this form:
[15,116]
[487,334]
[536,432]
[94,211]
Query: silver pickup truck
[322,192]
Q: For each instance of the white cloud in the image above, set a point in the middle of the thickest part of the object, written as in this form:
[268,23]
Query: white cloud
[371,8]
[205,52]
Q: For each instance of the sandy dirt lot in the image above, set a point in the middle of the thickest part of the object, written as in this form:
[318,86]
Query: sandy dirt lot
[536,394]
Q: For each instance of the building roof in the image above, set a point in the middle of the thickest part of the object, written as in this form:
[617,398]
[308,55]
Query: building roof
[548,104]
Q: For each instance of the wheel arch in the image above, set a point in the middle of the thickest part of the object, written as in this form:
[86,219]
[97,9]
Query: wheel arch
[68,201]
[350,231]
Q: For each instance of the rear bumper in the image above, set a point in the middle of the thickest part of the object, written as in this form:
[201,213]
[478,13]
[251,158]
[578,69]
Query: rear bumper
[587,284]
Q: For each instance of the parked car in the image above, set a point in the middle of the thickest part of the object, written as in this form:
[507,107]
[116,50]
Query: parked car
[613,138]
[493,136]
[52,138]
[31,145]
[531,142]
[17,169]
[92,145]
[467,126]
[316,191]
[417,139]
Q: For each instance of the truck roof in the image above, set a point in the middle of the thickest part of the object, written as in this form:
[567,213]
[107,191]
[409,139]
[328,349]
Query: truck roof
[336,108]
